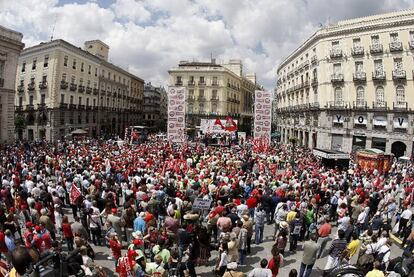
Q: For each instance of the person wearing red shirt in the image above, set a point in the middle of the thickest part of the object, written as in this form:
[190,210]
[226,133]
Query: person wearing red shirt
[28,234]
[116,247]
[251,203]
[67,232]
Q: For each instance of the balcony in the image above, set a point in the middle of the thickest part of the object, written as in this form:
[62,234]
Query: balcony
[191,83]
[360,76]
[314,59]
[191,99]
[20,89]
[306,84]
[376,49]
[338,105]
[379,105]
[215,98]
[379,76]
[81,107]
[31,87]
[357,51]
[30,107]
[411,44]
[88,90]
[314,81]
[400,106]
[43,85]
[360,105]
[41,106]
[1,82]
[103,92]
[336,53]
[314,106]
[398,74]
[18,108]
[396,46]
[201,84]
[337,78]
[63,84]
[63,105]
[81,88]
[72,106]
[178,83]
[95,91]
[201,98]
[215,84]
[73,87]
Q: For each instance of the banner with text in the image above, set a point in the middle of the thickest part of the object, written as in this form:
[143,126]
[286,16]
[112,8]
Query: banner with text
[176,114]
[262,115]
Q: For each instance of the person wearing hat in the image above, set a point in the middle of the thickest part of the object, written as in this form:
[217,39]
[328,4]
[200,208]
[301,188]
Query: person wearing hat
[232,271]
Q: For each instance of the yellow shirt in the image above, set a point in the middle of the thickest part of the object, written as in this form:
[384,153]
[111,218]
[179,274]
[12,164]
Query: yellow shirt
[375,273]
[353,247]
[290,216]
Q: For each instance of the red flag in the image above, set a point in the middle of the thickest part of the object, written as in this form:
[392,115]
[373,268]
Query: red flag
[231,125]
[74,193]
[218,122]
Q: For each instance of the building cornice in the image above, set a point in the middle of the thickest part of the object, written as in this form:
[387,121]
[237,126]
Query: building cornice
[346,29]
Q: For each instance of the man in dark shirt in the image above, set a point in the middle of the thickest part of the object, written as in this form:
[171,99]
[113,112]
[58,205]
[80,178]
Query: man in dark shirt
[338,245]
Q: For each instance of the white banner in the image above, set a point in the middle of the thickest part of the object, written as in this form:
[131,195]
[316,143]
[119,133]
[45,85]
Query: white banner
[401,122]
[360,119]
[218,126]
[176,114]
[262,114]
[380,121]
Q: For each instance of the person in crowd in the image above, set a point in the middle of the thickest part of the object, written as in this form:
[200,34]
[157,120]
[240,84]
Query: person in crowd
[337,246]
[310,252]
[262,270]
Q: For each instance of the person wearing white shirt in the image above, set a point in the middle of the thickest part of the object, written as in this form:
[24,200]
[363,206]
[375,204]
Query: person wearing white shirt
[242,208]
[262,271]
[384,253]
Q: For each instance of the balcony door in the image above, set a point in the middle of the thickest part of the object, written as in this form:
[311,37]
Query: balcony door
[379,69]
[400,93]
[338,96]
[360,96]
[337,69]
[379,97]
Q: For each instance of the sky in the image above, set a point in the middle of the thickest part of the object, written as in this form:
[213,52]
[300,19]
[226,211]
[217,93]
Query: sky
[147,37]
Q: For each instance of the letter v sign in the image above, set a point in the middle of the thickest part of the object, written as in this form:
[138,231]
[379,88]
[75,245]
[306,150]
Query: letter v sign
[400,121]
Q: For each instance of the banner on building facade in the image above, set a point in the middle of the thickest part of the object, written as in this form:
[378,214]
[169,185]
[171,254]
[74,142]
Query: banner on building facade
[360,120]
[262,115]
[380,121]
[401,122]
[176,131]
[218,126]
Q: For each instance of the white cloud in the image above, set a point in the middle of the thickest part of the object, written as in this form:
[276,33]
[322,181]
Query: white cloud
[150,36]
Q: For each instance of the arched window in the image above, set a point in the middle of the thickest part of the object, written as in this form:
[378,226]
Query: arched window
[379,97]
[360,96]
[400,96]
[338,96]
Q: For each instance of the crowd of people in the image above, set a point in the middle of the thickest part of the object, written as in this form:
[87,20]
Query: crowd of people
[140,201]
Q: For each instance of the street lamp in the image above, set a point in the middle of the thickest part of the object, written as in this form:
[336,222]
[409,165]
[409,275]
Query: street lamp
[293,140]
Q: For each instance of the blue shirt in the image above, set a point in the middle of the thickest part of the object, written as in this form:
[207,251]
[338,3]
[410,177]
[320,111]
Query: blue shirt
[139,224]
[10,243]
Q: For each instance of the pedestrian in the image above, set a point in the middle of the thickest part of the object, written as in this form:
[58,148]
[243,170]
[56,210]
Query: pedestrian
[223,259]
[276,261]
[259,219]
[232,271]
[242,245]
[295,229]
[323,232]
[261,271]
[67,232]
[335,251]
[310,252]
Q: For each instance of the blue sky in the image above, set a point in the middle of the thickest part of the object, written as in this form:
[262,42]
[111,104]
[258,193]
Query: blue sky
[148,37]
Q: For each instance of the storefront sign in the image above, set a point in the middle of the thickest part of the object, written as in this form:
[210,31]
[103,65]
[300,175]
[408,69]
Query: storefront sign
[176,114]
[338,119]
[401,122]
[360,120]
[380,121]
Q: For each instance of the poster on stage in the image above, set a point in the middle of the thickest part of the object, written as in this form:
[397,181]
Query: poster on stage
[263,116]
[218,126]
[176,132]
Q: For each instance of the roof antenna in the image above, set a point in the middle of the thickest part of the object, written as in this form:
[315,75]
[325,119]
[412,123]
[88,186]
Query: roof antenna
[53,29]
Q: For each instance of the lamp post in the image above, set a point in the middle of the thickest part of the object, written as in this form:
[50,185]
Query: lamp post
[293,140]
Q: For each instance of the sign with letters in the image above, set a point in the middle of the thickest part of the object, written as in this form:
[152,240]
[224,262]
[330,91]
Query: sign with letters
[360,120]
[401,122]
[202,204]
[380,121]
[338,119]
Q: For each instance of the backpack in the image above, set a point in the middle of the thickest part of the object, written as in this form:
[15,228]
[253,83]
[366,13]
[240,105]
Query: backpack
[297,228]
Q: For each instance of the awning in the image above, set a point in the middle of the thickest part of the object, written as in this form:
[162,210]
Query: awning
[330,154]
[79,132]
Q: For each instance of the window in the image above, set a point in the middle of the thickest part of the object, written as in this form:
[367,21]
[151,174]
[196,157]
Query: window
[359,67]
[400,95]
[94,102]
[34,64]
[42,99]
[338,95]
[379,96]
[31,100]
[96,71]
[335,44]
[87,101]
[32,80]
[89,83]
[375,40]
[80,100]
[202,79]
[178,80]
[23,66]
[62,98]
[89,69]
[356,42]
[20,101]
[82,65]
[72,80]
[71,100]
[360,96]
[65,61]
[191,92]
[201,108]
[109,75]
[201,92]
[379,69]
[2,69]
[46,61]
[214,94]
[44,79]
[214,108]
[74,64]
[64,77]
[398,66]
[215,81]
[80,82]
[337,68]
[394,37]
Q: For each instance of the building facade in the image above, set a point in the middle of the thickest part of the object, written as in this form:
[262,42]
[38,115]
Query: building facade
[216,91]
[10,47]
[349,86]
[152,107]
[61,87]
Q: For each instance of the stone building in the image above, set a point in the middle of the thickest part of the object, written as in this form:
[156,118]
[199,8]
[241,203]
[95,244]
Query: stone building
[349,86]
[61,87]
[216,91]
[10,47]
